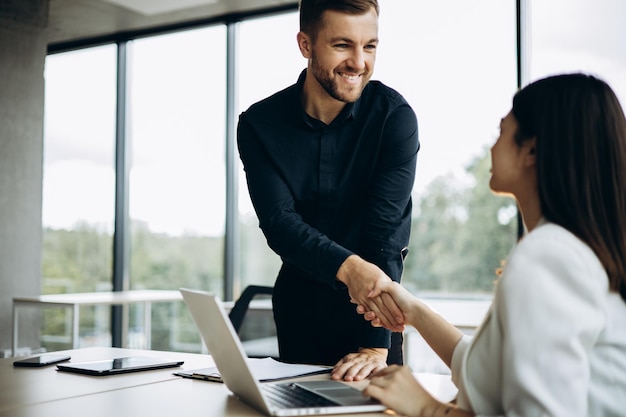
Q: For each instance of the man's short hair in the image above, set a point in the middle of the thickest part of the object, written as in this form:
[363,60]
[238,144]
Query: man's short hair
[312,12]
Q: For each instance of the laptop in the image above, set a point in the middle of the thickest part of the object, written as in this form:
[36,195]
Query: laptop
[273,399]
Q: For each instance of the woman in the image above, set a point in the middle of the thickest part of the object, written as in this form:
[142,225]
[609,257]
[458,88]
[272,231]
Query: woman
[554,340]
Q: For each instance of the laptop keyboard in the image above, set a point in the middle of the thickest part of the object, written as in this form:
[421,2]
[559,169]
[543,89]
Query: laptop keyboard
[292,396]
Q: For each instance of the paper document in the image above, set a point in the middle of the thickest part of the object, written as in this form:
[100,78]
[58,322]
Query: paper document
[264,370]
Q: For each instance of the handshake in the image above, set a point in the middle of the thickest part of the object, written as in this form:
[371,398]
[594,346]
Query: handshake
[388,306]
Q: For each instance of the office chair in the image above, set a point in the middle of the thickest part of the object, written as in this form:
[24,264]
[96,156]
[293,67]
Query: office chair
[255,347]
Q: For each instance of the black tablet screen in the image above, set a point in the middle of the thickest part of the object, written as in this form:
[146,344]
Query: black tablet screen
[118,365]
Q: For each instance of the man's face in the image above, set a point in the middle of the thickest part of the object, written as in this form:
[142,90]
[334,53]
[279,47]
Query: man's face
[343,55]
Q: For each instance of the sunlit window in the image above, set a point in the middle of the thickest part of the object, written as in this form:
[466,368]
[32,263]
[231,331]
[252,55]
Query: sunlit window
[456,64]
[176,132]
[589,37]
[262,72]
[78,184]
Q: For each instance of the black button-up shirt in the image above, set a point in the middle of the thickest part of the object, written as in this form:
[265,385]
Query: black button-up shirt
[323,192]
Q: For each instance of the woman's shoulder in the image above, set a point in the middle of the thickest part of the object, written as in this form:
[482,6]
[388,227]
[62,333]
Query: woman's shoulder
[551,239]
[550,250]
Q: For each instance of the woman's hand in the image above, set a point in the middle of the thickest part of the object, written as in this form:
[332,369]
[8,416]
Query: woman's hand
[397,388]
[391,293]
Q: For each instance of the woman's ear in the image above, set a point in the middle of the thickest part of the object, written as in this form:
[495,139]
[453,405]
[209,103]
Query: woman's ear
[530,151]
[304,43]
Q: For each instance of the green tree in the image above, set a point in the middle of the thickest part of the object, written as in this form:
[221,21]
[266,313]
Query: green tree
[80,260]
[460,234]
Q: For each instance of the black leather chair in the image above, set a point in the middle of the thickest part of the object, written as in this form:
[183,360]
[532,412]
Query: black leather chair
[256,347]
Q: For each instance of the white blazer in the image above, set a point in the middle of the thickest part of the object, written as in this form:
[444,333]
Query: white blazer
[553,342]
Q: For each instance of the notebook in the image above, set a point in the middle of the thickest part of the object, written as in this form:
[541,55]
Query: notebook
[273,399]
[264,370]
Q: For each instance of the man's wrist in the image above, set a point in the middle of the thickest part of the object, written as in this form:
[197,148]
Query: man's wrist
[382,352]
[347,268]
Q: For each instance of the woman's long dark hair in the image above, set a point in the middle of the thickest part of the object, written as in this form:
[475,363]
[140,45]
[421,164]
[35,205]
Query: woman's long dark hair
[580,132]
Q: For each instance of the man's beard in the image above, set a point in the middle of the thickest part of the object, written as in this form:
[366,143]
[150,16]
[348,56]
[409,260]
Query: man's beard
[330,86]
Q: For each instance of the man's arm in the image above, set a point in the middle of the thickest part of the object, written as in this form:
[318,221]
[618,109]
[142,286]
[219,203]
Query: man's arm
[384,239]
[287,233]
[387,221]
[388,207]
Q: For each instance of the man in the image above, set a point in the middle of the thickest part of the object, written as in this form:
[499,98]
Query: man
[330,165]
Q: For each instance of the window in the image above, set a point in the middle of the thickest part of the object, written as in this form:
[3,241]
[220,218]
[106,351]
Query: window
[176,126]
[456,65]
[78,184]
[455,62]
[589,38]
[258,264]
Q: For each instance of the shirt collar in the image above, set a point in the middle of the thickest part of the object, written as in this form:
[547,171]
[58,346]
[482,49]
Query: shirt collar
[348,112]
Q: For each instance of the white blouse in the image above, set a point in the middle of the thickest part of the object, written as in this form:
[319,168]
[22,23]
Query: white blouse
[553,342]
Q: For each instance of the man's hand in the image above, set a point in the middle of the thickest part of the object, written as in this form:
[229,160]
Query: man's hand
[360,365]
[363,280]
[405,301]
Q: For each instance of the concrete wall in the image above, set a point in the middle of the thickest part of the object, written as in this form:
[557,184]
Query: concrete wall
[22,55]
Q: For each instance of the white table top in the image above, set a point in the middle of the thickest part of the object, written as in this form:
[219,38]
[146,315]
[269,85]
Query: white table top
[119,297]
[105,297]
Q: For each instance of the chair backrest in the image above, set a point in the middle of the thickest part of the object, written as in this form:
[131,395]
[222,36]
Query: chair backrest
[240,308]
[258,337]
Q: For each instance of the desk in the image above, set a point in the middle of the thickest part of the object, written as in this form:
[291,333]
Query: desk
[44,392]
[76,300]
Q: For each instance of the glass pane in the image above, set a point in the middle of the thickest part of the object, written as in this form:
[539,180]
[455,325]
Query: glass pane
[589,38]
[455,62]
[177,176]
[277,37]
[78,185]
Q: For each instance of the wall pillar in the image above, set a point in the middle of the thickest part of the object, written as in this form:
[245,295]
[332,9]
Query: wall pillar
[23,47]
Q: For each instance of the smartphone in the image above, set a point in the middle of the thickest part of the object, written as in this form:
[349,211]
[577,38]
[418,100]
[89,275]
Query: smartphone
[42,360]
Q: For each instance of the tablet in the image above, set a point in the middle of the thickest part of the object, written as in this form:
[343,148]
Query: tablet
[42,360]
[118,365]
